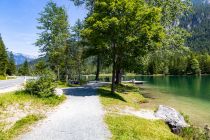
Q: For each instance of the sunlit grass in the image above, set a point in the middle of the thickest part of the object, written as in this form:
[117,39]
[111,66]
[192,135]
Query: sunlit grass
[20,127]
[128,127]
[125,127]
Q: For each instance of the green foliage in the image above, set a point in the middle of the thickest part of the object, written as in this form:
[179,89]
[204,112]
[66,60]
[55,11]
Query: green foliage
[44,86]
[198,23]
[195,66]
[11,69]
[2,77]
[3,58]
[40,67]
[193,133]
[127,28]
[24,69]
[54,36]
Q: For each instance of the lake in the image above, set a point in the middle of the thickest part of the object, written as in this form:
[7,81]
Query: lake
[187,94]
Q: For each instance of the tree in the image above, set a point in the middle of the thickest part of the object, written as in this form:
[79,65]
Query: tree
[40,67]
[88,3]
[24,69]
[129,28]
[54,36]
[3,58]
[195,66]
[11,69]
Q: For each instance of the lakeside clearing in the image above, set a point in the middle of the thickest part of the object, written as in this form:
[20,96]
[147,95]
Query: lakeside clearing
[124,126]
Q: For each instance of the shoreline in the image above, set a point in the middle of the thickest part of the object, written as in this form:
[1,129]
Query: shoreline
[156,98]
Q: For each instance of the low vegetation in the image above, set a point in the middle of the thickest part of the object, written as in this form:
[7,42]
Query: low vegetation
[2,77]
[125,127]
[20,109]
[125,96]
[19,127]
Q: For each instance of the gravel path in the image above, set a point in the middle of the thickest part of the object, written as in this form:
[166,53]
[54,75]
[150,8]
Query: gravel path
[79,118]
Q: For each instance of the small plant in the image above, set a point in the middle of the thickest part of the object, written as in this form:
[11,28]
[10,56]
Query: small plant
[44,86]
[2,77]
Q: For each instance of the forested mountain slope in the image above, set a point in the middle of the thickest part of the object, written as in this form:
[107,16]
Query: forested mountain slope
[198,23]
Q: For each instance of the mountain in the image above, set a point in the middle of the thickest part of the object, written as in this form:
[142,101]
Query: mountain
[21,58]
[198,24]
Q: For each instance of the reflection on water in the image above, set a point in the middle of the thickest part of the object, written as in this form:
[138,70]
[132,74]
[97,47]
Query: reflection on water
[188,86]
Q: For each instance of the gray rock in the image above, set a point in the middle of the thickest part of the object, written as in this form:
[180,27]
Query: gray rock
[172,117]
[58,92]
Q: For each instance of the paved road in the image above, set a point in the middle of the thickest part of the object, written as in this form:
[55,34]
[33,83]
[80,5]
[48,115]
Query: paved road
[6,84]
[79,118]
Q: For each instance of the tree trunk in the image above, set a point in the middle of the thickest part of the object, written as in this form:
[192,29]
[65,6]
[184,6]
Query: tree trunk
[118,76]
[98,68]
[58,74]
[113,68]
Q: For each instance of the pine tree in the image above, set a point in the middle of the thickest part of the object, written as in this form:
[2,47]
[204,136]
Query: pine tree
[24,69]
[55,33]
[11,69]
[3,58]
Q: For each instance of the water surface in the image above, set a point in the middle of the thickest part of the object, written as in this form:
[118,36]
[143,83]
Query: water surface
[188,94]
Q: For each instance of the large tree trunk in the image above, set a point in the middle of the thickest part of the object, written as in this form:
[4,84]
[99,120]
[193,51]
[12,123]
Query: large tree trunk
[118,76]
[113,68]
[98,68]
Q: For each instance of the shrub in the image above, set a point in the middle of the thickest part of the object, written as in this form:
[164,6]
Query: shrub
[2,77]
[44,86]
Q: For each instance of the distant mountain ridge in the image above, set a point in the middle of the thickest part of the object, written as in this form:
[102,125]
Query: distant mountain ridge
[21,58]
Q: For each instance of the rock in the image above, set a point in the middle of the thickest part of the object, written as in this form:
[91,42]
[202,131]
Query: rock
[172,117]
[58,92]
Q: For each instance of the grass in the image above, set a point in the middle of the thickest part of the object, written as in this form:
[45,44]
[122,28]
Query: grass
[2,77]
[12,105]
[124,127]
[128,127]
[125,96]
[21,97]
[20,127]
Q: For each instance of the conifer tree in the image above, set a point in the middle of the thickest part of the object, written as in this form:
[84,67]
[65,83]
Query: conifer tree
[3,58]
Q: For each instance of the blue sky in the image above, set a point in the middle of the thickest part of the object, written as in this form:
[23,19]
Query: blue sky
[18,22]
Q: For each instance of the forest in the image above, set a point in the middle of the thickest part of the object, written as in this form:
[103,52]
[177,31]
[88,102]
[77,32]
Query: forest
[151,37]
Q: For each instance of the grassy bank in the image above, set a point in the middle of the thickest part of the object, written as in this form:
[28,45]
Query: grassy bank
[18,110]
[129,127]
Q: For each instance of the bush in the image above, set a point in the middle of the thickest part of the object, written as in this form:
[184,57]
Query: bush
[193,133]
[2,77]
[44,86]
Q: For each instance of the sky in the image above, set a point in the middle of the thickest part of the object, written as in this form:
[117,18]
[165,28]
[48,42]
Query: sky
[18,22]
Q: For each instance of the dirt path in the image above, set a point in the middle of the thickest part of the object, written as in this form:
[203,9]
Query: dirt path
[79,118]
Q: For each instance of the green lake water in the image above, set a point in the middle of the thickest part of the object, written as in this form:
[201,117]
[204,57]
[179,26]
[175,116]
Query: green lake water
[187,94]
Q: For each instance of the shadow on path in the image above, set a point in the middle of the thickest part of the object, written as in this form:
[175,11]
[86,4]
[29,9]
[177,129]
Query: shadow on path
[80,91]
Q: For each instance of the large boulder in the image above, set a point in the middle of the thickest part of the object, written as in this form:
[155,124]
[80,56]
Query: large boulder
[172,117]
[58,92]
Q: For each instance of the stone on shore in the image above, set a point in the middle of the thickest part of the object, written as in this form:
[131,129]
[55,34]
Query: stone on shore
[172,117]
[58,92]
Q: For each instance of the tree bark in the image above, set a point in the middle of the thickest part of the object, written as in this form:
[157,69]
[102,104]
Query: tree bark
[118,76]
[113,68]
[98,68]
